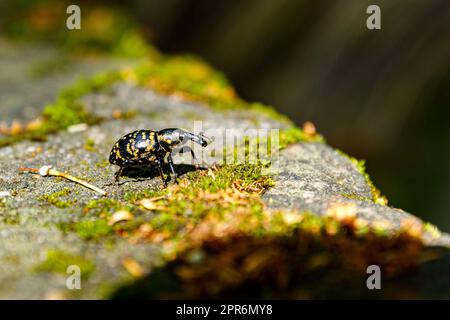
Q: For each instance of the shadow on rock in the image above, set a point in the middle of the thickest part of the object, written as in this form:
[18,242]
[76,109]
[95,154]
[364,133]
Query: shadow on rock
[297,267]
[150,172]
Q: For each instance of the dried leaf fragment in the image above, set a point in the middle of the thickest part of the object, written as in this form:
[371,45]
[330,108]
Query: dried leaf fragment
[133,267]
[122,215]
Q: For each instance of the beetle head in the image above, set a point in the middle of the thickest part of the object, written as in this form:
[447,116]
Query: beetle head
[173,137]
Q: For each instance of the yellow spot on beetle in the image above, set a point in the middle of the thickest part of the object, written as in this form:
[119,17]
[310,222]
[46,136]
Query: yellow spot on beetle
[129,148]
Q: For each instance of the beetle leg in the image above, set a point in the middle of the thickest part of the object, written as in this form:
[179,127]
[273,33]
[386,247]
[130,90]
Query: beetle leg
[118,174]
[170,161]
[161,173]
[189,149]
[125,164]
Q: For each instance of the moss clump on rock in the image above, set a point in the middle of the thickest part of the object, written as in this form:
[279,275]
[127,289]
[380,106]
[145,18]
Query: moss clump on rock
[189,78]
[58,261]
[133,197]
[55,198]
[271,253]
[66,110]
[92,229]
[220,189]
[377,197]
[95,224]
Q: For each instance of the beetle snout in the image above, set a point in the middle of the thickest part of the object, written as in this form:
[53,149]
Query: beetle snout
[200,141]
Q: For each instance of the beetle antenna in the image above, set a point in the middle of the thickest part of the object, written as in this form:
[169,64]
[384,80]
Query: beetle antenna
[197,138]
[200,134]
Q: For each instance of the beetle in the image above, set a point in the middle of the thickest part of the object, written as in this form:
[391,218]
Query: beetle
[148,147]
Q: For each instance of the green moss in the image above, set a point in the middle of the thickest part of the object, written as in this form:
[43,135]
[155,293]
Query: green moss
[295,135]
[104,207]
[355,197]
[35,135]
[432,229]
[105,29]
[57,261]
[276,251]
[55,198]
[90,145]
[93,224]
[192,79]
[377,197]
[92,229]
[168,221]
[8,216]
[66,110]
[190,204]
[225,176]
[103,164]
[136,196]
[215,194]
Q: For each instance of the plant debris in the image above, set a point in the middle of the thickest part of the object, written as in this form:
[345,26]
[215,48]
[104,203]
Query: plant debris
[48,171]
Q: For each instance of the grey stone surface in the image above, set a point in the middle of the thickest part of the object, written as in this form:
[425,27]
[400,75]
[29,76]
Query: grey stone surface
[312,176]
[32,76]
[28,225]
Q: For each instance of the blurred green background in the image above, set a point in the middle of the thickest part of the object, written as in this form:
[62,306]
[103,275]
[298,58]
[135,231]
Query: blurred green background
[381,95]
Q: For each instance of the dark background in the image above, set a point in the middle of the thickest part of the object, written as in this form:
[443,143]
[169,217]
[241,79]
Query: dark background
[380,95]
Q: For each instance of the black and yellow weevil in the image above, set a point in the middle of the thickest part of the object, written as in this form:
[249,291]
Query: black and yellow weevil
[148,147]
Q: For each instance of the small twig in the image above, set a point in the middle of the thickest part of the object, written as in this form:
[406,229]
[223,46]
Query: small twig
[48,171]
[28,170]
